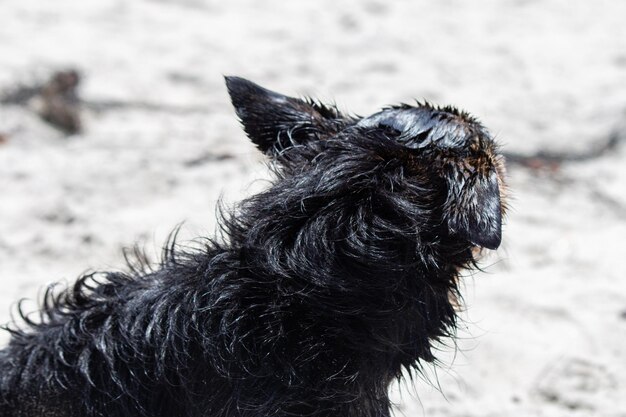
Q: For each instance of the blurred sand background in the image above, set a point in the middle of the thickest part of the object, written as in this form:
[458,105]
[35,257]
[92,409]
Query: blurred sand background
[545,326]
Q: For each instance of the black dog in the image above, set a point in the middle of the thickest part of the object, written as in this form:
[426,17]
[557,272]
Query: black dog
[321,291]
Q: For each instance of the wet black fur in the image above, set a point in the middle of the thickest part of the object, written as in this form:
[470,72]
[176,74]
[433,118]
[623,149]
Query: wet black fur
[320,291]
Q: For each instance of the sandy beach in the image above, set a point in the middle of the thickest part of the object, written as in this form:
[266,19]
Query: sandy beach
[543,329]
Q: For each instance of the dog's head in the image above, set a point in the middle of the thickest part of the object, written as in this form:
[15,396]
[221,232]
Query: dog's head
[448,147]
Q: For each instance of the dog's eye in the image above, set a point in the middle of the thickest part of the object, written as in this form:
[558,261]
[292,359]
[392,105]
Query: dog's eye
[389,129]
[406,138]
[413,128]
[416,141]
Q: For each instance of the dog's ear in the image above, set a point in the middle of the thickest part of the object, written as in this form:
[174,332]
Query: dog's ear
[473,208]
[274,121]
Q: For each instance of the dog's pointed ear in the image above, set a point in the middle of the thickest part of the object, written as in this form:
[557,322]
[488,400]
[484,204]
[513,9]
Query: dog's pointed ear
[474,210]
[274,121]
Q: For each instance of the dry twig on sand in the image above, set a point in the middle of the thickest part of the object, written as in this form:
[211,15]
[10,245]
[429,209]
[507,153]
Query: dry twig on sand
[552,160]
[56,101]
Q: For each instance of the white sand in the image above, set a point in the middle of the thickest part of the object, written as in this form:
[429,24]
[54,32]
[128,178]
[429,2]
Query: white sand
[546,324]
